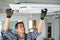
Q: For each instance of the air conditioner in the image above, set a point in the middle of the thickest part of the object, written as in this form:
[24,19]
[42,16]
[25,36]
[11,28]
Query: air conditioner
[34,8]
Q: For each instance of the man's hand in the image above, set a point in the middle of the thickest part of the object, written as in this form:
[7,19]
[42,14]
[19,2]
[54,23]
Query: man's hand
[43,13]
[9,13]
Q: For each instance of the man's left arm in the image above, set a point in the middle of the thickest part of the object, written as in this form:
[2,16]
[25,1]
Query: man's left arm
[36,33]
[43,14]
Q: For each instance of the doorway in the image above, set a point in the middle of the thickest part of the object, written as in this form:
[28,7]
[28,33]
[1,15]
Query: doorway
[49,30]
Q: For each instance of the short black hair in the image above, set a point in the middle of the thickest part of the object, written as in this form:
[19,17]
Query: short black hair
[16,25]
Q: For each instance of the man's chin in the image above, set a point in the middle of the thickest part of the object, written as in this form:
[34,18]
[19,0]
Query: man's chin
[22,32]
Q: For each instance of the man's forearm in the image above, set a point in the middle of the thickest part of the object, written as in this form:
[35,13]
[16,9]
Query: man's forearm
[40,26]
[6,24]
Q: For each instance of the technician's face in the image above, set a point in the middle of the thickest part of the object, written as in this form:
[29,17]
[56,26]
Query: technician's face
[21,29]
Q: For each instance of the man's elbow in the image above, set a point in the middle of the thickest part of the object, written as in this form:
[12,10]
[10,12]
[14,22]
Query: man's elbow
[39,32]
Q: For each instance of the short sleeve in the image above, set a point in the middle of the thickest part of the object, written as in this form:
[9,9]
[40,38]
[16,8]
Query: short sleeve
[8,34]
[33,34]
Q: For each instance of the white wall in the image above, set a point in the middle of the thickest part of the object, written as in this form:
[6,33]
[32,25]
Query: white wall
[59,29]
[55,27]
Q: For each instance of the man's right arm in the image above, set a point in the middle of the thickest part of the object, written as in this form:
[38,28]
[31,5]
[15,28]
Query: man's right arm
[9,13]
[5,30]
[6,24]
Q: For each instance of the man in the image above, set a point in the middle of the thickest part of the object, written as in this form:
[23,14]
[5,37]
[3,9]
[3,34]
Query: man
[20,29]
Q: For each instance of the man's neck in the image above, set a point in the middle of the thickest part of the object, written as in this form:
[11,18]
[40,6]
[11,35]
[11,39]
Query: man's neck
[21,35]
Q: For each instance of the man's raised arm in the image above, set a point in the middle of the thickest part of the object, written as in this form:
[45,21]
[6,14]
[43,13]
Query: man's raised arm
[43,14]
[9,13]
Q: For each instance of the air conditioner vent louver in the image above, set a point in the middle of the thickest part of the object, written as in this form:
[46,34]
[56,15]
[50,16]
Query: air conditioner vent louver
[23,7]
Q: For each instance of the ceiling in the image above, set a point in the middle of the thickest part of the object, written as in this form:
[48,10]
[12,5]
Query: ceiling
[31,1]
[4,4]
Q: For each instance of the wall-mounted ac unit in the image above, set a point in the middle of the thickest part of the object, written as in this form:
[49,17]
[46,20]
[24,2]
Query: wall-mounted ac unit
[34,8]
